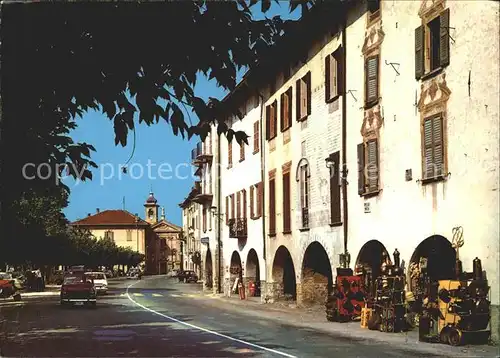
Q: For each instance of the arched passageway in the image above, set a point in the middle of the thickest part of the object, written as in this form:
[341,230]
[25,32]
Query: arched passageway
[252,272]
[208,270]
[370,259]
[317,278]
[434,259]
[285,285]
[235,272]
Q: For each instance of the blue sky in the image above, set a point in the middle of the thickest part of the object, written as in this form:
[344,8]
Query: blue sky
[155,144]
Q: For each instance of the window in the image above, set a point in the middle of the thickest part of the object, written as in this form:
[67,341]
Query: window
[256,201]
[432,45]
[252,202]
[238,205]
[433,148]
[227,210]
[109,235]
[271,120]
[286,109]
[304,175]
[229,154]
[368,167]
[256,137]
[335,183]
[232,206]
[272,203]
[204,220]
[242,151]
[129,235]
[258,209]
[371,80]
[244,203]
[287,215]
[333,75]
[303,95]
[209,214]
[373,10]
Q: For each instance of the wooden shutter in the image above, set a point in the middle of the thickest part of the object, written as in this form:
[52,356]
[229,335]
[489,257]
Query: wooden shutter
[308,98]
[272,121]
[361,168]
[335,189]
[244,200]
[259,199]
[437,138]
[282,112]
[331,73]
[272,207]
[227,210]
[275,117]
[298,96]
[419,52]
[286,110]
[232,206]
[268,122]
[371,78]
[256,137]
[373,170]
[444,38]
[290,105]
[306,187]
[238,205]
[230,154]
[302,183]
[204,220]
[242,151]
[252,211]
[339,81]
[286,202]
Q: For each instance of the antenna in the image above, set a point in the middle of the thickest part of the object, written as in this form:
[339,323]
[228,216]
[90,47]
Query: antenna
[123,203]
[151,187]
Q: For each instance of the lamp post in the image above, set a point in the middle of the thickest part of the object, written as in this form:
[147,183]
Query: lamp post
[216,213]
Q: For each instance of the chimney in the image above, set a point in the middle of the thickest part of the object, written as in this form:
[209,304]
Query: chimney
[97,210]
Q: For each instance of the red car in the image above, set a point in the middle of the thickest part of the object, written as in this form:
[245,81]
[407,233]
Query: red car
[78,289]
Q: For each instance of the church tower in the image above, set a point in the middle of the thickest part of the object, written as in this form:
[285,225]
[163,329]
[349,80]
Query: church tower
[151,208]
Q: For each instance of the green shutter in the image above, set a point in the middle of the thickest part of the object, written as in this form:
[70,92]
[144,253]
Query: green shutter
[419,52]
[372,79]
[372,167]
[444,38]
[428,166]
[361,168]
[437,134]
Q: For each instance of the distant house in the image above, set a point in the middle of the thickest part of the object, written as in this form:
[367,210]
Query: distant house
[158,240]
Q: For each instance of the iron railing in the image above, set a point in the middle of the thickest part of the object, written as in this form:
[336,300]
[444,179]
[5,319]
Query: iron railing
[305,218]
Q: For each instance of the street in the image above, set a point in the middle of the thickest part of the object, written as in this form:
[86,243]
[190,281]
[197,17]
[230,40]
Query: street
[160,317]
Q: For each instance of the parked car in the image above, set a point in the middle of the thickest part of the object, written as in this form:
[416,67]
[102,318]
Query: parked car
[173,273]
[100,281]
[134,273]
[8,286]
[187,276]
[78,289]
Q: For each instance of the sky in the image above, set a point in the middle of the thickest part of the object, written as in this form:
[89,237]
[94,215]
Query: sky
[163,158]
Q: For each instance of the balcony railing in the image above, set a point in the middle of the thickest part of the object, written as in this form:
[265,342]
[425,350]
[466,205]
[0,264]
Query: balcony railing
[201,154]
[305,218]
[238,228]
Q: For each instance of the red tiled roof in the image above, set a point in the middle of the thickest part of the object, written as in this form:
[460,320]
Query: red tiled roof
[111,217]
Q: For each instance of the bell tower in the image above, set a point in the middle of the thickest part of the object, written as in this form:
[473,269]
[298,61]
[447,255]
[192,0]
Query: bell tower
[151,208]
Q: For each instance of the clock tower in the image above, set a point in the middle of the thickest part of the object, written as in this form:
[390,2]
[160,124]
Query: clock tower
[151,208]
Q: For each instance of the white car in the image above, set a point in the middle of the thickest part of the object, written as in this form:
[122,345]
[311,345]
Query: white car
[100,281]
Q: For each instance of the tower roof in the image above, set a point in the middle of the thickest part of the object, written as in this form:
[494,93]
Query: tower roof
[151,199]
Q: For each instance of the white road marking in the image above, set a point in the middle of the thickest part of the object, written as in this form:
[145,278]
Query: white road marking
[157,295]
[174,295]
[206,330]
[138,294]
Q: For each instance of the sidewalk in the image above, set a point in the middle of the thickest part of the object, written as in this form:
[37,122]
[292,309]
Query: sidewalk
[314,318]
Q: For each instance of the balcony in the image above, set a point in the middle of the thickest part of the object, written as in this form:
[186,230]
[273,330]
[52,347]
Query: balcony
[201,154]
[238,228]
[305,218]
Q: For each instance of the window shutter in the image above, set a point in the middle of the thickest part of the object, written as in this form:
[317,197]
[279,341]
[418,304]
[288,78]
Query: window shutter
[339,81]
[230,153]
[302,184]
[252,212]
[232,206]
[272,207]
[290,106]
[444,40]
[268,122]
[244,200]
[335,189]
[227,210]
[373,170]
[306,187]
[428,149]
[286,202]
[259,199]
[308,84]
[256,136]
[437,134]
[286,111]
[282,112]
[275,116]
[298,99]
[238,205]
[204,220]
[242,151]
[371,79]
[419,52]
[328,78]
[361,168]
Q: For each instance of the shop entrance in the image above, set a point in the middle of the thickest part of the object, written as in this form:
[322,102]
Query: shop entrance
[252,272]
[208,270]
[370,259]
[317,280]
[285,285]
[235,272]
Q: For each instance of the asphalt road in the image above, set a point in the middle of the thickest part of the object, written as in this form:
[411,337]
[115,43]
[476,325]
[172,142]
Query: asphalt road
[154,319]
